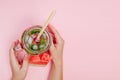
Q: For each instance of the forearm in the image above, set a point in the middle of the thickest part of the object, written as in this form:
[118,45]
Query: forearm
[56,72]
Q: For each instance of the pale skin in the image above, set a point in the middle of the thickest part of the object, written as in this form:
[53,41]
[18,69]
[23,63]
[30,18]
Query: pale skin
[56,51]
[18,71]
[56,73]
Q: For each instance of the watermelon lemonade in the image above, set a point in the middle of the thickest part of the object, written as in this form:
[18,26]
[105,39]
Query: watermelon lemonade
[36,48]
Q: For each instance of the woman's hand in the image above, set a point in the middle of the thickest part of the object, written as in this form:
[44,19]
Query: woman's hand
[56,51]
[18,71]
[57,46]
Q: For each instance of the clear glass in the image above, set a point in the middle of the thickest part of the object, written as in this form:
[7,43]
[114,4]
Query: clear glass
[33,46]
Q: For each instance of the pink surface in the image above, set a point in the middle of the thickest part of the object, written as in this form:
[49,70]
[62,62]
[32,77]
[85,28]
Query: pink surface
[90,28]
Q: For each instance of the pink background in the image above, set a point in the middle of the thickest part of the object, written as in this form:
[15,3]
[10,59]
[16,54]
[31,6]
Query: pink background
[90,28]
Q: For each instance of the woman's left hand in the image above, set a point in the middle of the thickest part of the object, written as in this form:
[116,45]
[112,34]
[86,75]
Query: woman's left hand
[18,71]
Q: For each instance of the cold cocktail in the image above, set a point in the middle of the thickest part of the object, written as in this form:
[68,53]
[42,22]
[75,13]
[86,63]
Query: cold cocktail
[36,48]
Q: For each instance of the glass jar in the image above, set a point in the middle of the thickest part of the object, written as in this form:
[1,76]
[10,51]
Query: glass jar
[33,46]
[37,49]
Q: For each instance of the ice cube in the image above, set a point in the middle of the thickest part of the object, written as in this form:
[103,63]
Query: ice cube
[30,40]
[17,46]
[35,47]
[26,38]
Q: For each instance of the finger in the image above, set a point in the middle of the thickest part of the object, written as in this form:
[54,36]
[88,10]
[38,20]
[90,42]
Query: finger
[17,46]
[16,43]
[13,60]
[56,34]
[52,47]
[49,30]
[25,63]
[52,35]
[20,55]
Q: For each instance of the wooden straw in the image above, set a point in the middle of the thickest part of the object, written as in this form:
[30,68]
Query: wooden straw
[46,23]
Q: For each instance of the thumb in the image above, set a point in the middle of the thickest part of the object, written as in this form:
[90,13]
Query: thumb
[25,63]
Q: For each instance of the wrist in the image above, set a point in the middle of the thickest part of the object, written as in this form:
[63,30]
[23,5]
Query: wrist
[16,78]
[57,63]
[13,78]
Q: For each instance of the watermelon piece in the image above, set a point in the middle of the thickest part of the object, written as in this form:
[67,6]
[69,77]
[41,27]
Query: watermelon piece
[41,59]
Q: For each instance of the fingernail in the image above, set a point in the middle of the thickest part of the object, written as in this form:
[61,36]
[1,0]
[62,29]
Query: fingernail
[26,57]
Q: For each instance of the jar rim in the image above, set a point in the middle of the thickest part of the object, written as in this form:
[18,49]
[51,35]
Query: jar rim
[29,51]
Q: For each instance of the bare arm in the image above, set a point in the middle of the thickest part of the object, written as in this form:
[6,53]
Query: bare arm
[56,51]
